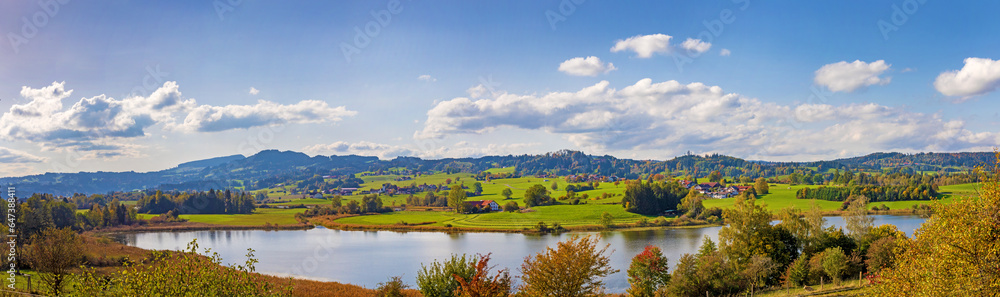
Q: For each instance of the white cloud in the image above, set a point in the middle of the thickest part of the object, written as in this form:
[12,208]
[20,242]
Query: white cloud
[477,91]
[671,118]
[589,66]
[696,45]
[847,77]
[208,118]
[100,124]
[11,156]
[725,52]
[644,45]
[979,76]
[254,91]
[427,78]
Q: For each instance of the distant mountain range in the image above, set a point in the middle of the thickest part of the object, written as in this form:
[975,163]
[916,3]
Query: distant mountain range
[270,167]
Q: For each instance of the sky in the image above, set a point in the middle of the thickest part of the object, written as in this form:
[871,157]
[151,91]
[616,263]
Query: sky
[146,85]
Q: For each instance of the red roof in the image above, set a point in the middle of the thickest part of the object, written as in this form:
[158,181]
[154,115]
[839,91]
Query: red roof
[480,203]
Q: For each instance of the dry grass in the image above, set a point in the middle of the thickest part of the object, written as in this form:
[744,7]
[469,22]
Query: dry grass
[310,288]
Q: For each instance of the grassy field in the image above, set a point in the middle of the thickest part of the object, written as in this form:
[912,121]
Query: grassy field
[566,215]
[780,196]
[259,217]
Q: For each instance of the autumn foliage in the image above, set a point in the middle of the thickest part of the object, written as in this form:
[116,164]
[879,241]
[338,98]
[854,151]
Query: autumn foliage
[956,253]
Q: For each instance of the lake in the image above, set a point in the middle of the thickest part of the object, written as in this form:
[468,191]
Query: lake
[367,258]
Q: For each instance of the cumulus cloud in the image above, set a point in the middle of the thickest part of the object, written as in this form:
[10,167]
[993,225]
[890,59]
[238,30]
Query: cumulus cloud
[208,118]
[847,77]
[254,91]
[589,66]
[979,76]
[696,45]
[725,52]
[644,46]
[673,117]
[11,156]
[96,123]
[427,78]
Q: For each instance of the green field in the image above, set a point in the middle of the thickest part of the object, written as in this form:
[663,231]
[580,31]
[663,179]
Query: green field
[259,217]
[566,215]
[780,196]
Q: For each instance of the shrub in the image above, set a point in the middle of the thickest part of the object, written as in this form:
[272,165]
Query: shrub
[834,262]
[179,274]
[607,220]
[481,284]
[438,279]
[511,207]
[573,268]
[392,288]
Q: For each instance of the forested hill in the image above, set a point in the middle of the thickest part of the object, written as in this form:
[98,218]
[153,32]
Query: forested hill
[926,160]
[271,167]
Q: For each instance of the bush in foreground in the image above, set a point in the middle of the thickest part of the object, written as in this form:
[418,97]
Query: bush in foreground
[179,274]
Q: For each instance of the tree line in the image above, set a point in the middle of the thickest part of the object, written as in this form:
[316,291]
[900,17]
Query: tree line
[874,193]
[209,202]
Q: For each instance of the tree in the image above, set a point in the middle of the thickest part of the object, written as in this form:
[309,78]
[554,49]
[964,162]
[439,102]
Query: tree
[749,232]
[536,195]
[54,252]
[574,268]
[715,176]
[648,272]
[481,284]
[371,203]
[438,279]
[834,262]
[956,253]
[607,220]
[336,201]
[881,254]
[761,186]
[758,270]
[858,222]
[511,207]
[506,193]
[692,205]
[798,272]
[555,185]
[477,188]
[456,199]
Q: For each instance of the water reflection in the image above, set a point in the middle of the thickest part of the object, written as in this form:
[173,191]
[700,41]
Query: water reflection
[369,257]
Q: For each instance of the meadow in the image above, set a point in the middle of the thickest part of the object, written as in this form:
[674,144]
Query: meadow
[587,213]
[261,216]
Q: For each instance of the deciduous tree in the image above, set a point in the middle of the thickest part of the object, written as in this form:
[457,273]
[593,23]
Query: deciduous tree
[456,199]
[956,252]
[648,272]
[53,253]
[574,268]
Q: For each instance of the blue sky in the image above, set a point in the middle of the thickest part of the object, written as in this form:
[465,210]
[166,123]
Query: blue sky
[145,85]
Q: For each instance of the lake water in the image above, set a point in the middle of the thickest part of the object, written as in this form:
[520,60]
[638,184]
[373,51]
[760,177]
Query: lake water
[367,258]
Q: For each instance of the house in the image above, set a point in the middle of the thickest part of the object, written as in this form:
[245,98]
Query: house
[485,204]
[720,194]
[705,188]
[347,191]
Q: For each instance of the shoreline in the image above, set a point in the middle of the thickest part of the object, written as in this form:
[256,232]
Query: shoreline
[190,226]
[329,222]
